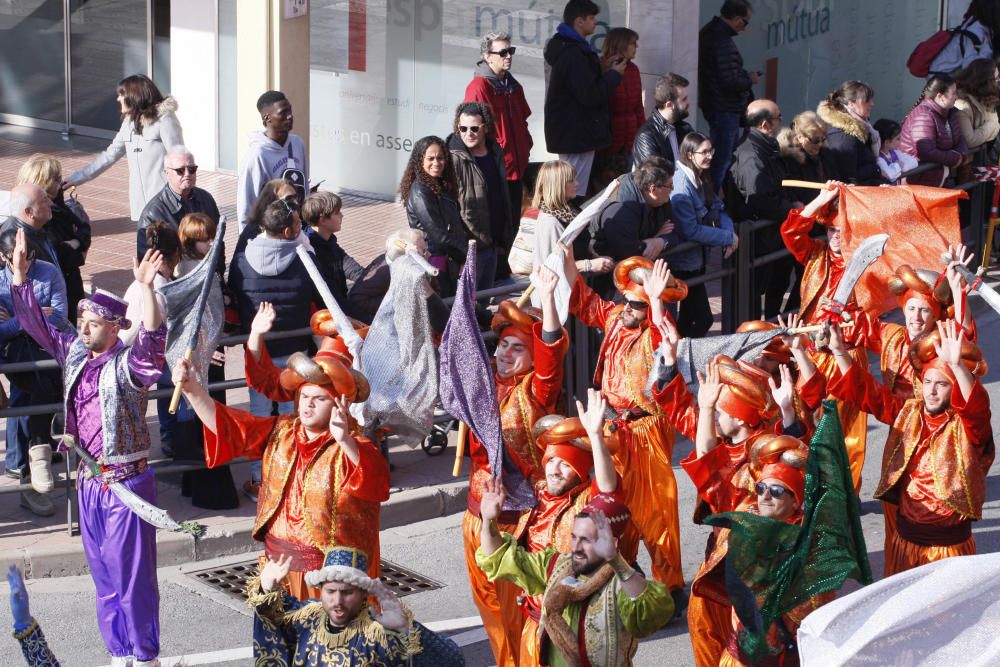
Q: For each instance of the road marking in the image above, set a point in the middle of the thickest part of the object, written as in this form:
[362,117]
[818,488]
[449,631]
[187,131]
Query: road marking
[452,624]
[210,658]
[470,637]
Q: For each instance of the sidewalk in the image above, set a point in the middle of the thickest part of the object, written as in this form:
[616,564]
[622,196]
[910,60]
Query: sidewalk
[422,486]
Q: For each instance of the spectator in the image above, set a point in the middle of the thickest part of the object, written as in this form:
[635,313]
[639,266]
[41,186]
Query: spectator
[700,217]
[31,210]
[754,192]
[804,154]
[932,132]
[428,192]
[975,40]
[273,153]
[483,200]
[662,133]
[29,443]
[149,129]
[627,113]
[68,233]
[551,210]
[578,87]
[322,212]
[277,188]
[178,197]
[724,87]
[892,162]
[496,86]
[851,139]
[977,102]
[196,233]
[636,218]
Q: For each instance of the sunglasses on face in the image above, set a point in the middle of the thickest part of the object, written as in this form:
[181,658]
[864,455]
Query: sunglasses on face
[816,141]
[776,490]
[469,129]
[636,305]
[191,169]
[503,53]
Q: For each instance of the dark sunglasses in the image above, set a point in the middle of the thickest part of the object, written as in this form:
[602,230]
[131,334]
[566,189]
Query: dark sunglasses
[636,305]
[777,491]
[816,141]
[470,129]
[503,53]
[191,169]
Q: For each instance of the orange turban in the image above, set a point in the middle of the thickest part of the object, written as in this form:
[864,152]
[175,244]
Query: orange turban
[791,478]
[518,322]
[743,395]
[630,274]
[567,440]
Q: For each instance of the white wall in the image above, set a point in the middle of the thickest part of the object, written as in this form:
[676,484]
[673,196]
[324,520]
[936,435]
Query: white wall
[194,75]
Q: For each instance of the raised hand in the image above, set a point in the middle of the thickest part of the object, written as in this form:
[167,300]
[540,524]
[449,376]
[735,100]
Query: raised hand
[146,270]
[657,280]
[183,375]
[669,337]
[601,264]
[949,350]
[392,615]
[18,598]
[264,319]
[783,393]
[545,280]
[340,419]
[491,503]
[958,255]
[593,417]
[793,341]
[274,572]
[837,345]
[19,258]
[606,545]
[709,386]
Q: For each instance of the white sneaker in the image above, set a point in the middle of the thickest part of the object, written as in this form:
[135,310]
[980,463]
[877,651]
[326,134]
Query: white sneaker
[40,465]
[124,661]
[155,662]
[36,503]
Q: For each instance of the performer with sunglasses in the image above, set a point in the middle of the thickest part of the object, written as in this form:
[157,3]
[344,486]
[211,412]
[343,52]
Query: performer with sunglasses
[644,431]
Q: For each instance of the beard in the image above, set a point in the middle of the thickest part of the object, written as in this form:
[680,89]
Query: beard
[587,568]
[678,115]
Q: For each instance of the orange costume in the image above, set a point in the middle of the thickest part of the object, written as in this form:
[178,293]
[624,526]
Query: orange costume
[523,400]
[820,279]
[934,468]
[724,483]
[645,434]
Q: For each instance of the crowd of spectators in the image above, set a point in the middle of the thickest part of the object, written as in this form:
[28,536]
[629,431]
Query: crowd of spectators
[673,186]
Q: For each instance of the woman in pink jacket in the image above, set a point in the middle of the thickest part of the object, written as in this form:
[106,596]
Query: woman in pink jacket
[932,132]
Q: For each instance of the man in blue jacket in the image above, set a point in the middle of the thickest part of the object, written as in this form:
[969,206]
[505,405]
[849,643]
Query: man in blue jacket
[578,85]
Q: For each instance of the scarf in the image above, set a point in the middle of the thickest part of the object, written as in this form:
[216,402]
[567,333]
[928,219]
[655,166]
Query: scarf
[873,134]
[560,596]
[564,215]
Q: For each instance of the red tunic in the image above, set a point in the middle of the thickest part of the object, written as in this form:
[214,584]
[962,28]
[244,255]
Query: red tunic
[823,269]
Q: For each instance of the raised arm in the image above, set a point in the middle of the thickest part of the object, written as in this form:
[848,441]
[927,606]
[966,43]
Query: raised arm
[340,428]
[709,390]
[856,385]
[26,308]
[656,282]
[593,420]
[202,404]
[950,352]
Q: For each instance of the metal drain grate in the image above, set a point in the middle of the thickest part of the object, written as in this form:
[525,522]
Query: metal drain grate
[232,579]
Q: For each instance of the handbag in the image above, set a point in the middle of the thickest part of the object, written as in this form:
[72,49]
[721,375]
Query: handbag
[522,251]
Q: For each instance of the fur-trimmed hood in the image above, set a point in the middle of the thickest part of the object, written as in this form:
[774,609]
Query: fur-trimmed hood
[168,105]
[843,121]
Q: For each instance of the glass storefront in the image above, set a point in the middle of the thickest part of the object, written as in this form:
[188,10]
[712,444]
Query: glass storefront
[387,72]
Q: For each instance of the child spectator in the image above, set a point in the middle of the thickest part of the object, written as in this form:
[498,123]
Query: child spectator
[892,162]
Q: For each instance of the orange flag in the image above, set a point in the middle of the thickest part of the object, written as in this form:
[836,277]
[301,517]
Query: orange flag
[921,223]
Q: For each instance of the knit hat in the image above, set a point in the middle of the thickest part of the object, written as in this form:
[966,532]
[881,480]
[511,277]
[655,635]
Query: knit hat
[107,306]
[631,273]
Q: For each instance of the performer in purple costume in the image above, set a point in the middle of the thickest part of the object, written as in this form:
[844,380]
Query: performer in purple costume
[105,387]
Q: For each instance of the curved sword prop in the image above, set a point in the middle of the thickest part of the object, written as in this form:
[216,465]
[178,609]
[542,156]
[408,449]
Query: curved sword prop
[151,514]
[975,283]
[864,256]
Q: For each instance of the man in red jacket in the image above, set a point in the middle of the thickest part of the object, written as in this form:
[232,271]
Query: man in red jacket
[493,84]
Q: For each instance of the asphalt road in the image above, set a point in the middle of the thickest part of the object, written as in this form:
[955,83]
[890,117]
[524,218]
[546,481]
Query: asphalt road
[211,628]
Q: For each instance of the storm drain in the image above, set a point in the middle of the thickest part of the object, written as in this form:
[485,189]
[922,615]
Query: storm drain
[232,579]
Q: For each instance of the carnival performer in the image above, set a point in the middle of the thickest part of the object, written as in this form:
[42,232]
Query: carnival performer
[824,267]
[735,412]
[27,632]
[939,449]
[105,385]
[573,448]
[529,374]
[645,435]
[323,483]
[595,606]
[339,628]
[778,491]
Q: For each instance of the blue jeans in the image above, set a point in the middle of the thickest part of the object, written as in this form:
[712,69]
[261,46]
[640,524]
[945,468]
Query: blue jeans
[17,433]
[724,130]
[262,406]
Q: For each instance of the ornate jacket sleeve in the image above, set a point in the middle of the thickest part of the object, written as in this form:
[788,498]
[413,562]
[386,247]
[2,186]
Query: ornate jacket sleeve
[264,376]
[369,480]
[859,388]
[239,433]
[647,613]
[34,647]
[512,562]
[795,233]
[546,381]
[588,307]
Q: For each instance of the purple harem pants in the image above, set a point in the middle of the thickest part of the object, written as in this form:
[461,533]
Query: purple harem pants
[121,553]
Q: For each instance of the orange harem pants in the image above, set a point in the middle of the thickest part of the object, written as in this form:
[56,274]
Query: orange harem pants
[709,625]
[852,420]
[643,461]
[901,555]
[496,601]
[530,655]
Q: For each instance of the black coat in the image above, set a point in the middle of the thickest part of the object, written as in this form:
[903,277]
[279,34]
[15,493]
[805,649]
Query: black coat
[753,185]
[626,220]
[850,144]
[723,84]
[653,138]
[168,206]
[335,265]
[577,119]
[438,218]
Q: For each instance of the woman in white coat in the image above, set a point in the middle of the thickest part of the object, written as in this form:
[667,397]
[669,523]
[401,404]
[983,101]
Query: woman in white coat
[149,129]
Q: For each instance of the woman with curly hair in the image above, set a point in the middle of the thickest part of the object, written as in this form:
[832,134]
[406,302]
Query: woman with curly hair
[149,129]
[428,193]
[977,102]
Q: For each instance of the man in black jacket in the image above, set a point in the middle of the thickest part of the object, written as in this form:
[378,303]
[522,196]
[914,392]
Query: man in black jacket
[578,85]
[754,192]
[177,198]
[483,198]
[636,219]
[663,132]
[724,87]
